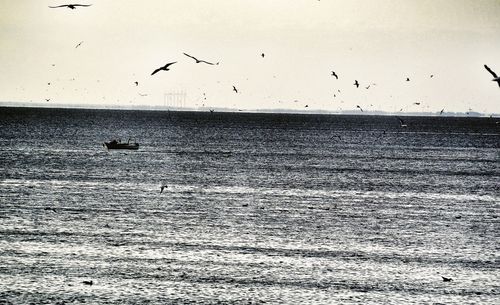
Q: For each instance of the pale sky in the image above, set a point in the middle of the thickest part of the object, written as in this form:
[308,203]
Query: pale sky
[377,42]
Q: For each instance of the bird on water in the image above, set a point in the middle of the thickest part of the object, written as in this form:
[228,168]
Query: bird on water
[162,188]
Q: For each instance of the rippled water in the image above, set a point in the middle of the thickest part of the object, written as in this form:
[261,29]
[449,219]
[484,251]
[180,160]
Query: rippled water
[260,208]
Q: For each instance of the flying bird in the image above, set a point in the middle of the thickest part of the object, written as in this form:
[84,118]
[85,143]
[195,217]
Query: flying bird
[407,79]
[357,106]
[71,6]
[356,83]
[367,87]
[79,44]
[335,74]
[403,124]
[262,55]
[416,103]
[441,112]
[496,78]
[136,83]
[235,90]
[162,188]
[199,60]
[165,68]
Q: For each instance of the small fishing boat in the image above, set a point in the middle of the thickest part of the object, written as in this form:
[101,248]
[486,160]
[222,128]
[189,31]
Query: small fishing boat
[119,145]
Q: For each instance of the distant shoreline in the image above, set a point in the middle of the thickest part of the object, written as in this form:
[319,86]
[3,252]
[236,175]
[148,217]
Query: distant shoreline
[233,110]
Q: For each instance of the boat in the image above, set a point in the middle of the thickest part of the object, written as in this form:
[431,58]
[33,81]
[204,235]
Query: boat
[119,145]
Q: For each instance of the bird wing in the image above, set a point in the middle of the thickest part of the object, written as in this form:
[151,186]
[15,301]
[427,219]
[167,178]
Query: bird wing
[170,63]
[65,5]
[155,71]
[80,5]
[190,56]
[492,73]
[204,61]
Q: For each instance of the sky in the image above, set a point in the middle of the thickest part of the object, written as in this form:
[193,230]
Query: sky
[380,43]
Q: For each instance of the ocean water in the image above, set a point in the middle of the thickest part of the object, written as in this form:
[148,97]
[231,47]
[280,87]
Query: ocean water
[259,208]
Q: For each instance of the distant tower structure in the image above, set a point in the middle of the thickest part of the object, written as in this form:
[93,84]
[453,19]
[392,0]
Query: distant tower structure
[175,99]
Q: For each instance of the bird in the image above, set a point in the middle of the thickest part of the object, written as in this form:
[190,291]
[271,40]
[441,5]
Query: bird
[446,279]
[403,124]
[262,55]
[47,99]
[165,67]
[416,103]
[367,87]
[441,112]
[306,106]
[235,90]
[356,83]
[136,83]
[335,74]
[432,75]
[71,6]
[357,106]
[79,44]
[496,78]
[162,188]
[407,79]
[88,282]
[199,60]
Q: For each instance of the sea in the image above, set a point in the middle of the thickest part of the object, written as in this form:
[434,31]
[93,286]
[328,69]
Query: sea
[258,208]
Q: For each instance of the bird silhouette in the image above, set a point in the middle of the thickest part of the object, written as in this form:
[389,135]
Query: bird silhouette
[446,279]
[88,282]
[165,68]
[162,188]
[441,112]
[416,103]
[357,106]
[235,90]
[496,78]
[199,60]
[79,44]
[403,124]
[335,74]
[356,83]
[71,6]
[136,83]
[407,79]
[262,55]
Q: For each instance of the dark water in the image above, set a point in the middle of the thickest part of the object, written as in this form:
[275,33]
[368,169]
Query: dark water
[260,208]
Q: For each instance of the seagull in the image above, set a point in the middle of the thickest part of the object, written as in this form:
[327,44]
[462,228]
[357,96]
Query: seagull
[447,279]
[47,99]
[417,103]
[71,6]
[403,124]
[357,106]
[262,55]
[162,188]
[441,112]
[496,78]
[199,60]
[235,90]
[335,74]
[165,67]
[407,79]
[368,87]
[88,282]
[136,83]
[79,44]
[356,83]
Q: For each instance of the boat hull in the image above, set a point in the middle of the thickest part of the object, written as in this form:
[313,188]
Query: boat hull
[134,146]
